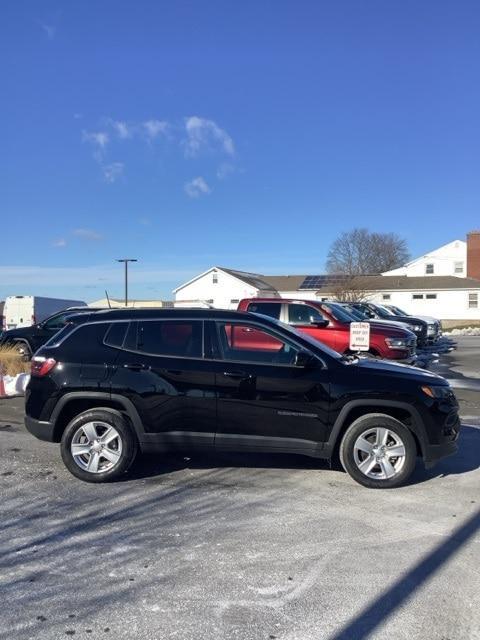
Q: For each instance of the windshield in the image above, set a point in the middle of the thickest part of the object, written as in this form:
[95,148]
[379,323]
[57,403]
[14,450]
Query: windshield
[318,346]
[397,311]
[354,313]
[338,312]
[382,312]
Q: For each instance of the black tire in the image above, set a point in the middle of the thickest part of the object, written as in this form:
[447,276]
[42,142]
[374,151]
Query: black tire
[351,453]
[125,446]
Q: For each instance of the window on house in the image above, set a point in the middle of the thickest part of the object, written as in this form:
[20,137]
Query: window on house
[215,277]
[417,296]
[429,269]
[431,296]
[473,300]
[386,296]
[458,267]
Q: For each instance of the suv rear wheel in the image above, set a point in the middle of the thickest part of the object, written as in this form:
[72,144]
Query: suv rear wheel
[98,445]
[378,451]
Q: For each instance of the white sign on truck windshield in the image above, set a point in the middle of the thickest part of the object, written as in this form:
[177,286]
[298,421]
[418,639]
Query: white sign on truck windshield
[359,336]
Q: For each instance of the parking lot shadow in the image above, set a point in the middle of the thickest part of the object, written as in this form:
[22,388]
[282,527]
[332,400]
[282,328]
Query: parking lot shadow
[149,466]
[362,625]
[466,459]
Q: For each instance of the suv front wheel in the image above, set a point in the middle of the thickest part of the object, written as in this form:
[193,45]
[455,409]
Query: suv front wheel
[378,451]
[98,445]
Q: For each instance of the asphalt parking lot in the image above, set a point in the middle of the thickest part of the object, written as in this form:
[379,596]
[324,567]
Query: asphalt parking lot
[247,547]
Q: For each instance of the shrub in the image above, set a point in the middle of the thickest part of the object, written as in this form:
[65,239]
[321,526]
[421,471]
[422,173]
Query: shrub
[11,362]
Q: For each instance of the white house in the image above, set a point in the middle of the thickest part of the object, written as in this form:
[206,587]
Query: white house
[223,288]
[449,260]
[445,297]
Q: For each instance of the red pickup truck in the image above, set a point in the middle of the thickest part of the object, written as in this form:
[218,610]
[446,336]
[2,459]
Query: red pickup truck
[330,324]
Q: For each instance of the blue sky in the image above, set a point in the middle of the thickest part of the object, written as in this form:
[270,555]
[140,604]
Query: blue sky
[245,134]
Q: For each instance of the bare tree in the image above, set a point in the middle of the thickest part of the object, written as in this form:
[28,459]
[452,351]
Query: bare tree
[349,289]
[361,252]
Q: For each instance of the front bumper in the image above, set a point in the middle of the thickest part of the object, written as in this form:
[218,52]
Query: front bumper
[40,429]
[435,452]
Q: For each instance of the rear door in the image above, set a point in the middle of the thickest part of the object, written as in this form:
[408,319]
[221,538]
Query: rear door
[162,370]
[265,402]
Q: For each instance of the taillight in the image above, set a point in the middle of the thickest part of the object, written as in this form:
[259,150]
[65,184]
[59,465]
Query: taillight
[41,366]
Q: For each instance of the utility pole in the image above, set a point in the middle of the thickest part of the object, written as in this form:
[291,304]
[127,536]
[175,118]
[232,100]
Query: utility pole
[126,261]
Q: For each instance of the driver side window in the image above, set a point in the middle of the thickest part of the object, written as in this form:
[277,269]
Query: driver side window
[249,343]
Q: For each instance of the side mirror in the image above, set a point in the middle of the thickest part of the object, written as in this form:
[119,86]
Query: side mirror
[316,322]
[305,359]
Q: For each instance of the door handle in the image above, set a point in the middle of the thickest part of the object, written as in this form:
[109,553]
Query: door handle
[134,366]
[237,375]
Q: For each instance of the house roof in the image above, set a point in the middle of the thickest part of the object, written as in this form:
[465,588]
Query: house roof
[329,283]
[253,279]
[407,283]
[284,283]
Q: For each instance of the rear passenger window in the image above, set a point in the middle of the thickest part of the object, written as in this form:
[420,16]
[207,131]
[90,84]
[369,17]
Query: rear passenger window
[60,335]
[180,338]
[116,334]
[303,314]
[266,308]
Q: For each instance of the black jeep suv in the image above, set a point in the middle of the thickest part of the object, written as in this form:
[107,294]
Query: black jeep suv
[114,382]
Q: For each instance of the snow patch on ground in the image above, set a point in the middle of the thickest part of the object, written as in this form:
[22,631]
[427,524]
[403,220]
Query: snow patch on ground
[464,331]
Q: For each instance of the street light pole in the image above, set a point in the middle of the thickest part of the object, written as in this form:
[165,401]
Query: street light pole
[126,261]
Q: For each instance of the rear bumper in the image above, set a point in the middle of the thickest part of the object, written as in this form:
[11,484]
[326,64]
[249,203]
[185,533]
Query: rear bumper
[40,429]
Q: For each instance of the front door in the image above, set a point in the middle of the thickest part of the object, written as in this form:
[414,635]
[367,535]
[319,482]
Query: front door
[265,401]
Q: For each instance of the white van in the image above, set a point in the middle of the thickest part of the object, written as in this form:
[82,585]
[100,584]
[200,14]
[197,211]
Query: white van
[24,311]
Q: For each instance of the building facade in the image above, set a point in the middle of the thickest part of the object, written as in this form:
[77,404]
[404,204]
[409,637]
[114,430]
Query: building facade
[444,297]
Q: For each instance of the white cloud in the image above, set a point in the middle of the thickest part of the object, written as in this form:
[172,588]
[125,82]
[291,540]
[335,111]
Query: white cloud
[203,134]
[49,29]
[61,242]
[154,128]
[99,141]
[224,170]
[88,234]
[122,128]
[197,187]
[113,171]
[98,138]
[41,278]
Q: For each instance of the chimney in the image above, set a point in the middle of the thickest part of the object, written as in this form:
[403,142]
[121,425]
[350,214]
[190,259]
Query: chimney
[473,255]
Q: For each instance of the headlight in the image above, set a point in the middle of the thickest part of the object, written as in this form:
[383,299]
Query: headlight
[436,391]
[397,343]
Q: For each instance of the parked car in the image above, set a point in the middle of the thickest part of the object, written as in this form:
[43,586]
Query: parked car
[24,311]
[359,316]
[396,311]
[112,383]
[330,324]
[375,311]
[28,339]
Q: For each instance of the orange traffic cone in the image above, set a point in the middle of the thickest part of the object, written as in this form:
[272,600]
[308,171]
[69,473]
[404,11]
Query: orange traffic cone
[2,386]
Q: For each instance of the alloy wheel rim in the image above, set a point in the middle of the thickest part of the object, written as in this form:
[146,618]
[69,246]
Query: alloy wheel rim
[379,453]
[96,447]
